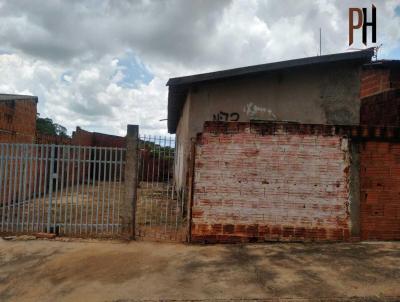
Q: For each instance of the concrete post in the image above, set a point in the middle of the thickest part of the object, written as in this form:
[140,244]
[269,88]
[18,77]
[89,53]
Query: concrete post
[191,188]
[354,190]
[131,166]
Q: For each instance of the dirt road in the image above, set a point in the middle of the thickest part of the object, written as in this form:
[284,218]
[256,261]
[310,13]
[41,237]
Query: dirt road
[41,270]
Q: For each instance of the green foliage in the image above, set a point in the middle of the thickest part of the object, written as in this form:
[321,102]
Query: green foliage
[157,150]
[47,126]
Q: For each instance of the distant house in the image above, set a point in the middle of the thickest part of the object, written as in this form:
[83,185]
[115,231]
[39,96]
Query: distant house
[318,90]
[17,118]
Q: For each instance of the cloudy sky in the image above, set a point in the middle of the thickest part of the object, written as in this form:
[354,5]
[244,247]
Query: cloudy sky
[103,64]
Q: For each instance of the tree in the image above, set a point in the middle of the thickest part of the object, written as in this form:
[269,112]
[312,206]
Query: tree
[47,126]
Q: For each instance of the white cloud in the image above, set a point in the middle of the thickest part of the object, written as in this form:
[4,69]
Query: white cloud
[86,97]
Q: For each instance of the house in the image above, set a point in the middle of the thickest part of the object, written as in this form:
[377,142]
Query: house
[17,118]
[298,150]
[315,90]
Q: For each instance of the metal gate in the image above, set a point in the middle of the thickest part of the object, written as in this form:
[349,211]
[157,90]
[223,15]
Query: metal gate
[80,191]
[161,206]
[68,190]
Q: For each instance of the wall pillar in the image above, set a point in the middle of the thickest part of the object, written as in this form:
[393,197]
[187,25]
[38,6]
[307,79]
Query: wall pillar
[354,190]
[191,188]
[130,197]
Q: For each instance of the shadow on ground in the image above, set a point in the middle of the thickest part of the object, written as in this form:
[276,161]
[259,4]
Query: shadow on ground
[114,271]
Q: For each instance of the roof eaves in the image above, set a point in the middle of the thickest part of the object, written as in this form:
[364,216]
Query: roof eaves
[242,71]
[11,97]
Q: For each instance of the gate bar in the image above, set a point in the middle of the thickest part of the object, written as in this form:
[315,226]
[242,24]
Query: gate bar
[3,180]
[51,176]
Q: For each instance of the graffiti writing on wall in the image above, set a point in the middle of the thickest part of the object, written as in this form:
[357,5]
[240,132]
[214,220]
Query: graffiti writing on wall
[226,117]
[252,109]
[257,112]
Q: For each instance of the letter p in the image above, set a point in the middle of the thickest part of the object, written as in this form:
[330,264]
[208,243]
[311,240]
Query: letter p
[352,10]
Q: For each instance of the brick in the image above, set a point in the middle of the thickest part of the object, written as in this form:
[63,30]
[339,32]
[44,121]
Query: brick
[271,184]
[45,235]
[381,109]
[17,121]
[52,139]
[228,229]
[17,125]
[81,137]
[380,200]
[375,80]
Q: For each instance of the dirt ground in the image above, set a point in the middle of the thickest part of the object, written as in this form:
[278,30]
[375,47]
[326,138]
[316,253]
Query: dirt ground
[44,270]
[86,211]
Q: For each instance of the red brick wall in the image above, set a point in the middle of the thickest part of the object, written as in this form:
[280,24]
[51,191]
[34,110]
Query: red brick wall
[154,167]
[380,191]
[52,139]
[106,140]
[277,186]
[17,121]
[17,125]
[374,81]
[381,109]
[379,77]
[16,165]
[82,137]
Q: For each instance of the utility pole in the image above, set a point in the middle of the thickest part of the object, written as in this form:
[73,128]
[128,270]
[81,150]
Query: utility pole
[320,41]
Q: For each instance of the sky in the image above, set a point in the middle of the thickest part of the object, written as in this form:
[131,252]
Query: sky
[103,64]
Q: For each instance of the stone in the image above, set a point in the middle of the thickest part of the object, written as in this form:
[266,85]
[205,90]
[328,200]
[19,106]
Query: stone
[45,235]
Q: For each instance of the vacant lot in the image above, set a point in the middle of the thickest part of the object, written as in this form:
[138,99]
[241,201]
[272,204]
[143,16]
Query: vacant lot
[93,210]
[41,270]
